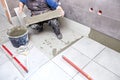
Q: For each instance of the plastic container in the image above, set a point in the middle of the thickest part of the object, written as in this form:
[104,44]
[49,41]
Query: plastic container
[18,36]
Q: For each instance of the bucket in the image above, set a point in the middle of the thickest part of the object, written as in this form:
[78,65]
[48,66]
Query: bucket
[18,36]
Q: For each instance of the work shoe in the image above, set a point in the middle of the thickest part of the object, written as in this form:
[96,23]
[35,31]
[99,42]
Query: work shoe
[59,36]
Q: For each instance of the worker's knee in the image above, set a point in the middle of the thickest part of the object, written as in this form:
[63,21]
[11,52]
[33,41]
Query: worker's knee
[54,23]
[37,27]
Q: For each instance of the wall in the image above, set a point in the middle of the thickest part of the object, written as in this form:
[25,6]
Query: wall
[12,4]
[108,22]
[4,25]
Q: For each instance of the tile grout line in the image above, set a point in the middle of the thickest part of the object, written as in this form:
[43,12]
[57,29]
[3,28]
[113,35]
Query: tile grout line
[106,68]
[29,76]
[75,75]
[84,54]
[103,65]
[63,70]
[88,57]
[93,58]
[80,52]
[99,53]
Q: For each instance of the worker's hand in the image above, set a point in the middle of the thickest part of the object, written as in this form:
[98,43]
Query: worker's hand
[62,11]
[20,11]
[21,5]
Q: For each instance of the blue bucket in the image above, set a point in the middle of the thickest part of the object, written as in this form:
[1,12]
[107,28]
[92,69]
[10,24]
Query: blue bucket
[18,36]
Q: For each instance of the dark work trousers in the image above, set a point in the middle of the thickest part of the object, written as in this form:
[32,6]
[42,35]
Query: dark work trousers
[54,23]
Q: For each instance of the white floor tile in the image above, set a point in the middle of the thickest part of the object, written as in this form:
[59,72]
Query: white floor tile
[88,47]
[79,76]
[73,55]
[3,59]
[9,72]
[99,73]
[109,59]
[32,59]
[50,71]
[36,59]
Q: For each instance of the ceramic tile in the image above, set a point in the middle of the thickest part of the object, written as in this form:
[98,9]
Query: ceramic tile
[3,59]
[50,71]
[109,59]
[9,72]
[88,47]
[73,55]
[79,76]
[97,72]
[32,58]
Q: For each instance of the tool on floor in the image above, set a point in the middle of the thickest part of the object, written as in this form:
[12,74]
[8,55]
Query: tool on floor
[77,68]
[21,65]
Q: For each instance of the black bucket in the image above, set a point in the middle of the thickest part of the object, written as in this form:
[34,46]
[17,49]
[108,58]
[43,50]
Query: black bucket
[18,36]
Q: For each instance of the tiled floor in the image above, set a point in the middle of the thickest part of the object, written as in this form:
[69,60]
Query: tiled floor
[50,71]
[97,60]
[32,58]
[104,64]
[88,47]
[73,55]
[110,60]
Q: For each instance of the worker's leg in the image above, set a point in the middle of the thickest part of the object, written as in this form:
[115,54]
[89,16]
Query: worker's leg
[37,26]
[40,28]
[54,23]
